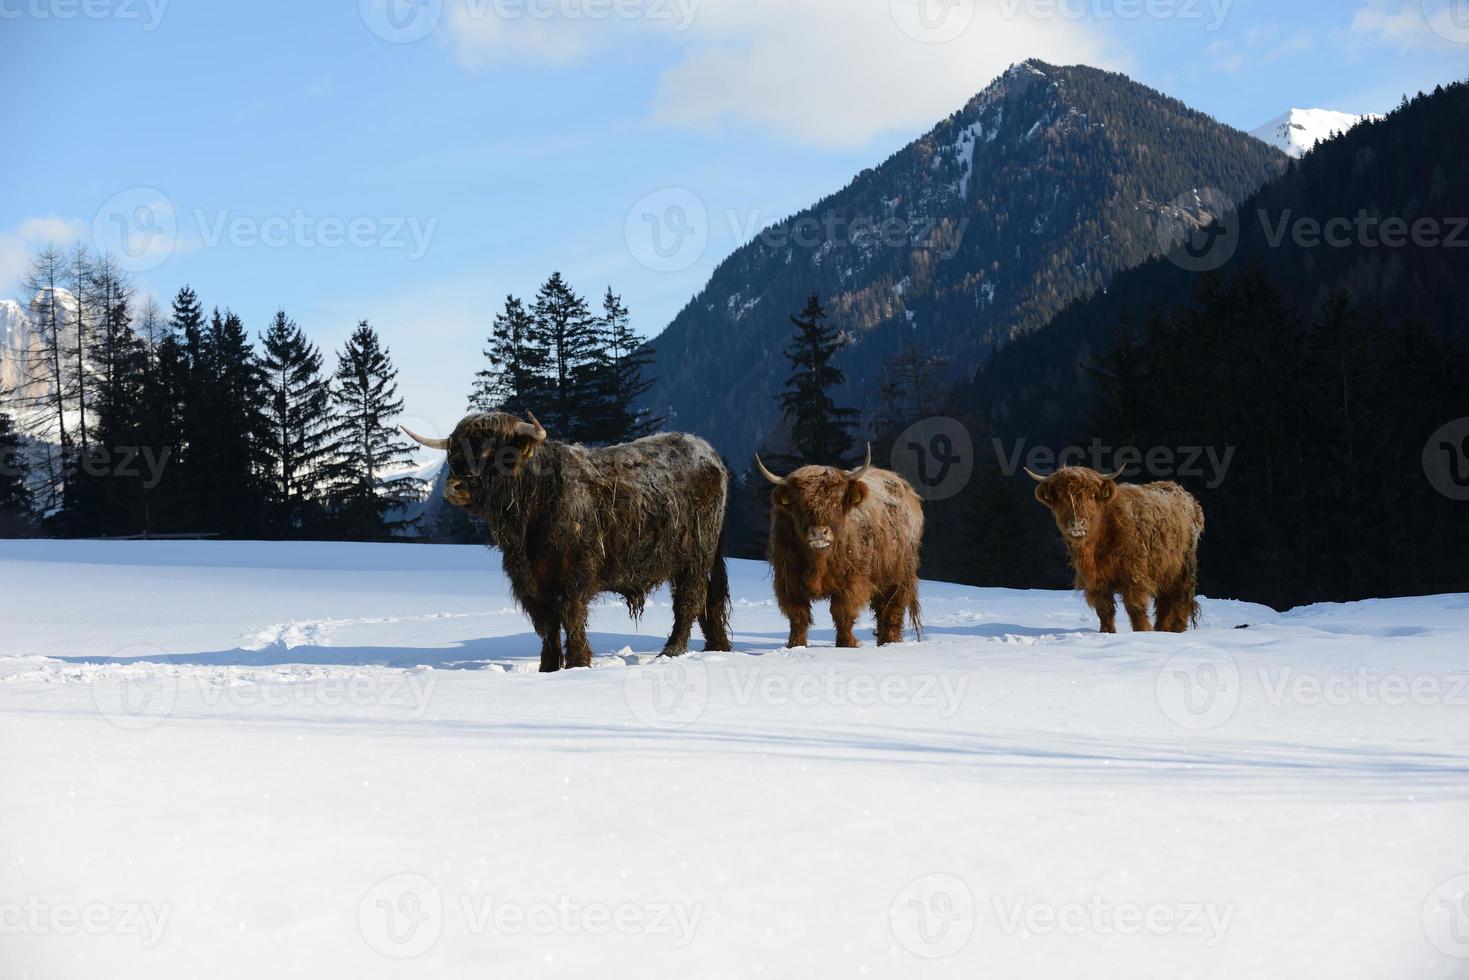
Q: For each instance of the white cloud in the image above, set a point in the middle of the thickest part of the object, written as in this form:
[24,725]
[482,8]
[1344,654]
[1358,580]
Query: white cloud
[1412,25]
[17,245]
[827,72]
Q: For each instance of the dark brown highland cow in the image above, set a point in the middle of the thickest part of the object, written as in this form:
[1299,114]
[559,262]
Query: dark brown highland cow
[1137,541]
[573,522]
[848,536]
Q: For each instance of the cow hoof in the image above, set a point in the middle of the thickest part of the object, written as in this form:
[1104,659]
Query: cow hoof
[673,651]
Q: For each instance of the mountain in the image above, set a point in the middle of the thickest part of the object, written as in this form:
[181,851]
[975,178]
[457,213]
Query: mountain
[23,373]
[1034,194]
[15,336]
[1409,166]
[1322,348]
[1301,129]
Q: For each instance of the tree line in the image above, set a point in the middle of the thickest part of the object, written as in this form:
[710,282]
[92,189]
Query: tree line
[130,420]
[144,422]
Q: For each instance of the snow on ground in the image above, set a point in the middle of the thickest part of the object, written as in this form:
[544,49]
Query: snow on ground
[332,760]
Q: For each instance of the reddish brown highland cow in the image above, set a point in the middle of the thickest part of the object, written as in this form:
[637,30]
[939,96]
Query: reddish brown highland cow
[1137,541]
[848,536]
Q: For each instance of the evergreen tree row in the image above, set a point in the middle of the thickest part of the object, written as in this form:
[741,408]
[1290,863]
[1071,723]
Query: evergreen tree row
[144,423]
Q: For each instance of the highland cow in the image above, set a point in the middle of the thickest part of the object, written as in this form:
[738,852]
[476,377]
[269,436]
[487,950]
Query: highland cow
[848,536]
[573,522]
[1137,541]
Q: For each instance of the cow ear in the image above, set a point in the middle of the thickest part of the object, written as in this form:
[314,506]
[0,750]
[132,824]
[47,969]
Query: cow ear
[856,493]
[1108,490]
[781,498]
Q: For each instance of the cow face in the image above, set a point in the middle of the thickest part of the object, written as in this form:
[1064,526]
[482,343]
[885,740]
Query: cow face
[483,447]
[1076,497]
[818,500]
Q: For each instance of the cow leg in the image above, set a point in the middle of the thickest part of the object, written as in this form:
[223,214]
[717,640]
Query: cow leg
[548,628]
[714,613]
[1173,609]
[688,602]
[799,614]
[844,609]
[574,618]
[888,608]
[1136,604]
[1105,605]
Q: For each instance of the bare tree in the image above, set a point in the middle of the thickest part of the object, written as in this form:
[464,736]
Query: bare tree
[43,391]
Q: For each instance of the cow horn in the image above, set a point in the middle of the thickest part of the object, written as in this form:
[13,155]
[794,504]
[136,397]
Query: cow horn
[1033,475]
[766,473]
[536,431]
[440,444]
[855,474]
[1113,477]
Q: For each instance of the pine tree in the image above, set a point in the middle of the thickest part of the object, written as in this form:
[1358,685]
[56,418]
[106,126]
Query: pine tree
[566,326]
[365,394]
[820,430]
[237,425]
[167,506]
[118,360]
[16,506]
[516,379]
[187,377]
[297,441]
[913,388]
[617,378]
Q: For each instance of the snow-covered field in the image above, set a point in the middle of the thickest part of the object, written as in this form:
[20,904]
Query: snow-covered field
[332,760]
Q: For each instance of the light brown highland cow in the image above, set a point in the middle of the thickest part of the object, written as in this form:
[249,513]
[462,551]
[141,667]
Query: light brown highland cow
[1137,541]
[848,536]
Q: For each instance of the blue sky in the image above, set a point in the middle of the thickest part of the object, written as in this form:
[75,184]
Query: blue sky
[412,161]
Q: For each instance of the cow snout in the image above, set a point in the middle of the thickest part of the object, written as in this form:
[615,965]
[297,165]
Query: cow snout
[1077,529]
[819,538]
[455,492]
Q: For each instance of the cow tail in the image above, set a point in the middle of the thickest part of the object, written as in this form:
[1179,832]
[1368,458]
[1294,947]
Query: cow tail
[716,598]
[915,616]
[1191,569]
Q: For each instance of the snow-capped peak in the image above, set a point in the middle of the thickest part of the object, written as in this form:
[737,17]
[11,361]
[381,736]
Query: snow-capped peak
[1299,130]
